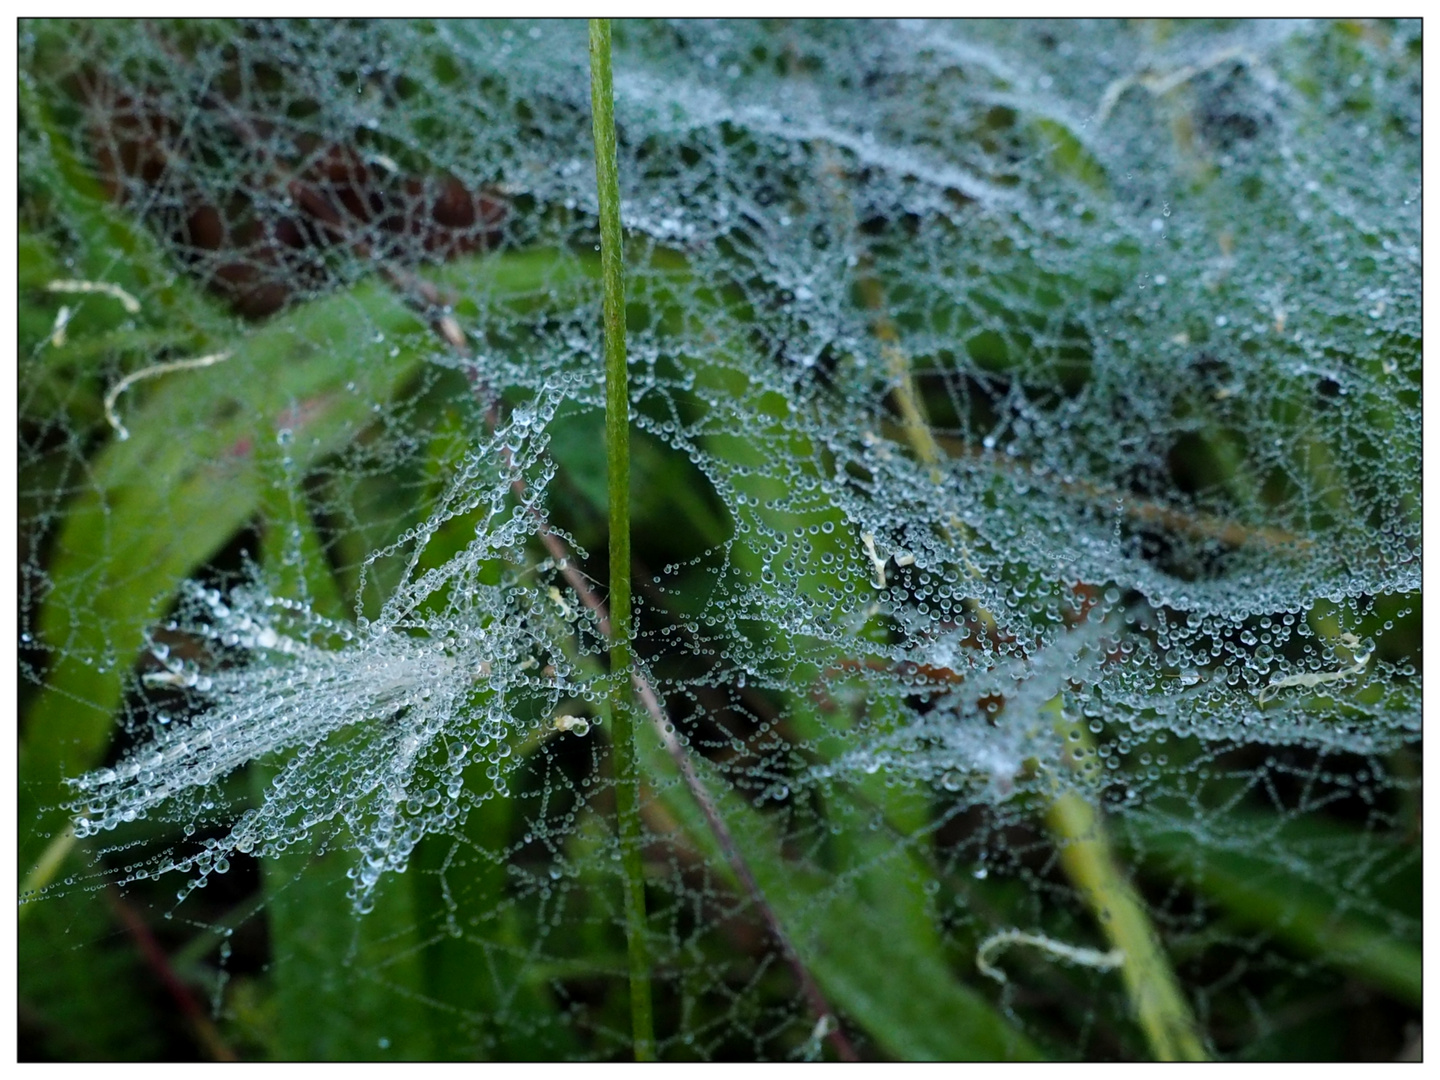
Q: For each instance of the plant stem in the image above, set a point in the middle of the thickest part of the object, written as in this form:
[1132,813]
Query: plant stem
[426,297]
[1088,856]
[1086,851]
[617,452]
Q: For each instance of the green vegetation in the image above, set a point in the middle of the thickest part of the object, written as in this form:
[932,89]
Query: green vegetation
[889,687]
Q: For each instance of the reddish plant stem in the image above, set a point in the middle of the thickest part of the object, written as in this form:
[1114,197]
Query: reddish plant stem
[448,329]
[159,963]
[666,730]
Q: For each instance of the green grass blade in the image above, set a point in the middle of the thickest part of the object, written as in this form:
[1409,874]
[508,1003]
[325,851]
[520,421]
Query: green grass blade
[617,448]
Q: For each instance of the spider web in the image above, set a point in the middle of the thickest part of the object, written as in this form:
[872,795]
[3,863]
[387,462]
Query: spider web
[1027,464]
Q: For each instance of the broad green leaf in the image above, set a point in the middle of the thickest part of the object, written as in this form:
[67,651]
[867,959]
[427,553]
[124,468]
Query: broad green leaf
[864,934]
[158,505]
[1262,882]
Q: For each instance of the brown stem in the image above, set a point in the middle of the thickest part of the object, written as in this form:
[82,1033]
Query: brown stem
[159,963]
[666,730]
[814,996]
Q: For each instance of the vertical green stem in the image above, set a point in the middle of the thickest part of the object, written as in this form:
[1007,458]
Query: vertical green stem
[617,447]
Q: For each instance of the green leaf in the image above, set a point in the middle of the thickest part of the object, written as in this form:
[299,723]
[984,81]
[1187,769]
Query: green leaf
[1262,877]
[158,505]
[864,934]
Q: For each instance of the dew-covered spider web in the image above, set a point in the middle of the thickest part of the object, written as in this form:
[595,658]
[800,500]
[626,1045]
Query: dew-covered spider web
[1026,521]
